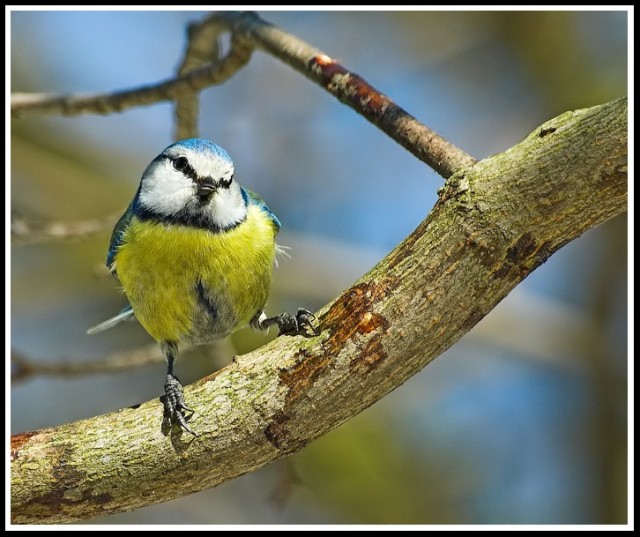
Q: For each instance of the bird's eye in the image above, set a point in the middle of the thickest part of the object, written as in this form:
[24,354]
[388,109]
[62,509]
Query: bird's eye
[180,163]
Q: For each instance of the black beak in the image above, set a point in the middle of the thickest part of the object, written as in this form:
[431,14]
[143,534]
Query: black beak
[206,188]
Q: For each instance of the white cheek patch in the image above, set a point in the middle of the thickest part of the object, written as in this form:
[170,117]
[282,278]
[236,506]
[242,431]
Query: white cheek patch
[165,190]
[227,207]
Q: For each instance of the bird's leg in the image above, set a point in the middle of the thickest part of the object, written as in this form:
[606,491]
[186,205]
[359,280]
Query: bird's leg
[173,398]
[301,324]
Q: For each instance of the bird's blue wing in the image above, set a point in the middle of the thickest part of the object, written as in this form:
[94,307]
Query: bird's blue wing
[254,199]
[117,235]
[117,239]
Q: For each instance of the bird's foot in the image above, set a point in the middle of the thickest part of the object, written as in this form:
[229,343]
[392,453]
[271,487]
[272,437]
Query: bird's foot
[301,324]
[174,406]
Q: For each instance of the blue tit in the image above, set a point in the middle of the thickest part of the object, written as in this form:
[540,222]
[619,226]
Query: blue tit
[194,253]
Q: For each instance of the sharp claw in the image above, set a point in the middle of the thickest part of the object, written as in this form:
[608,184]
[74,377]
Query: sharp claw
[182,406]
[305,320]
[179,417]
[174,405]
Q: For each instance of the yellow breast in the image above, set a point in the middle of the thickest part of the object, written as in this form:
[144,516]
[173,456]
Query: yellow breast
[194,285]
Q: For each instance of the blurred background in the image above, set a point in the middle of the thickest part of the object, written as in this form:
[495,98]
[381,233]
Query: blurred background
[524,421]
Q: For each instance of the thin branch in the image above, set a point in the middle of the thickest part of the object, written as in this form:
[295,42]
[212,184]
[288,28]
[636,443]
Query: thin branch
[287,482]
[106,103]
[24,367]
[352,90]
[25,232]
[493,225]
[203,48]
[187,108]
[250,31]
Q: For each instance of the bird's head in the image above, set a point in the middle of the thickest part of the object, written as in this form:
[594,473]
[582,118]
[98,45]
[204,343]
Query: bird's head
[191,182]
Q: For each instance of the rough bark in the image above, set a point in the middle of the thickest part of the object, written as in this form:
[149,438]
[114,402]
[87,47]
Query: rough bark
[493,224]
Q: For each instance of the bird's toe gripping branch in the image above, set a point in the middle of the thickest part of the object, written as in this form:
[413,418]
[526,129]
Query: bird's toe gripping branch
[174,406]
[301,324]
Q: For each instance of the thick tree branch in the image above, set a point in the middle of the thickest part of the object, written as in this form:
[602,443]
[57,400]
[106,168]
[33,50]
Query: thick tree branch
[494,223]
[201,68]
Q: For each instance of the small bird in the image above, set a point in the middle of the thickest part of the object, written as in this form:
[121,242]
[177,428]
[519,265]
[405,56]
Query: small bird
[194,253]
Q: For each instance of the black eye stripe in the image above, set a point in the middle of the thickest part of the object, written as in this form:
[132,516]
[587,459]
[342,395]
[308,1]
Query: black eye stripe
[182,165]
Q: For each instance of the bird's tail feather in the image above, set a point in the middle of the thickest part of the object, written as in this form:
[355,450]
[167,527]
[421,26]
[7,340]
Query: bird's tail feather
[125,314]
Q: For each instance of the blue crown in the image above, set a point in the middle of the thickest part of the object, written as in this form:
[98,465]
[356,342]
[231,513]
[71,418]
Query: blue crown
[203,146]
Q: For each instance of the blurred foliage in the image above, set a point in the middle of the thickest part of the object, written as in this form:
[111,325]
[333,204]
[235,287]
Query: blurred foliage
[556,48]
[363,472]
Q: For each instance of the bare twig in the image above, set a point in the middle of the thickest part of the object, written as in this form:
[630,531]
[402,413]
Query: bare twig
[23,231]
[106,103]
[352,90]
[187,108]
[288,479]
[24,367]
[203,48]
[250,31]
